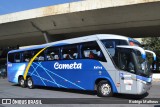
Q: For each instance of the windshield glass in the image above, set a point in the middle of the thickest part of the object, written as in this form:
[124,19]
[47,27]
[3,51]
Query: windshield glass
[143,66]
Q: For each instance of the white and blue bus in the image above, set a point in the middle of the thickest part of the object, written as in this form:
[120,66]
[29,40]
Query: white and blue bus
[102,62]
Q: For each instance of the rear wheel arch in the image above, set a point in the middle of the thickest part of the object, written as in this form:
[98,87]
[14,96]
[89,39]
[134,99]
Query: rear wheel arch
[28,76]
[20,76]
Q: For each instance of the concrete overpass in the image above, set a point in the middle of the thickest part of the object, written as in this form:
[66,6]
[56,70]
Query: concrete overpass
[134,18]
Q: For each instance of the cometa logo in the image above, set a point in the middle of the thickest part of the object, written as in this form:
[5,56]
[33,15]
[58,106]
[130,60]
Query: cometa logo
[68,66]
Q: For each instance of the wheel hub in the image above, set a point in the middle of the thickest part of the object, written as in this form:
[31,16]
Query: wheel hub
[105,89]
[29,83]
[22,82]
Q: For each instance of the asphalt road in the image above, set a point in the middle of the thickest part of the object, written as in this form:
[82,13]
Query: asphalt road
[9,90]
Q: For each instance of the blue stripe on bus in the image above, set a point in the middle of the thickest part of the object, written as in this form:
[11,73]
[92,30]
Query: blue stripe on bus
[144,78]
[144,56]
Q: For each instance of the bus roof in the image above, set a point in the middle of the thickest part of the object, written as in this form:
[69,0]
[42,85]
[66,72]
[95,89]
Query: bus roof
[73,40]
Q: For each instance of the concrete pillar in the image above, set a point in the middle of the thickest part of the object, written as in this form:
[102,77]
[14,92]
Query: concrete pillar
[46,37]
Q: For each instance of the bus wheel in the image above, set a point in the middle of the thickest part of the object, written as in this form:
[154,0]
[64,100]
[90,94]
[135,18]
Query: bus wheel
[30,83]
[22,82]
[104,89]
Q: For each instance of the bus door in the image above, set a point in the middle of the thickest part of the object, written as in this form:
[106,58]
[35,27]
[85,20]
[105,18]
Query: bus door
[127,73]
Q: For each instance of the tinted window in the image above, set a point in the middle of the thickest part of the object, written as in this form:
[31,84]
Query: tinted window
[52,54]
[40,57]
[11,57]
[122,42]
[126,61]
[91,50]
[17,57]
[27,55]
[112,43]
[70,52]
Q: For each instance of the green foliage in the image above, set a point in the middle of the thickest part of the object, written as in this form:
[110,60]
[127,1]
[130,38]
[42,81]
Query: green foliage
[151,43]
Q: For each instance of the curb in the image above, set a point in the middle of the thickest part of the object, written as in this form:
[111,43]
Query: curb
[156,77]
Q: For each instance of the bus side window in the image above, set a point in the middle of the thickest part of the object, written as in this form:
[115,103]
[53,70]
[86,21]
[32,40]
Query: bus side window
[27,56]
[70,52]
[17,57]
[40,57]
[122,42]
[91,50]
[110,45]
[11,57]
[52,53]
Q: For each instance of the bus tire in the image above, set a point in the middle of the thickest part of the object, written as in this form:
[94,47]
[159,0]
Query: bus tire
[30,83]
[104,89]
[22,82]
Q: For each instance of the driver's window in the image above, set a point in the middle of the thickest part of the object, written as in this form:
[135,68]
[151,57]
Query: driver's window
[126,61]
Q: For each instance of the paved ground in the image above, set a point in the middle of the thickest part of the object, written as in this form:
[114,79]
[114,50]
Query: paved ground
[9,90]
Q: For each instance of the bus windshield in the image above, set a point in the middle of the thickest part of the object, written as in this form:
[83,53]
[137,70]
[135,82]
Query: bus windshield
[143,65]
[130,59]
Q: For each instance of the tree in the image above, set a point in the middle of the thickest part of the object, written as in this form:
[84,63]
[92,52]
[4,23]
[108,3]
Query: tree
[151,43]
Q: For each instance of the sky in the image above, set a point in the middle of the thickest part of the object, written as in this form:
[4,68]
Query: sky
[11,6]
